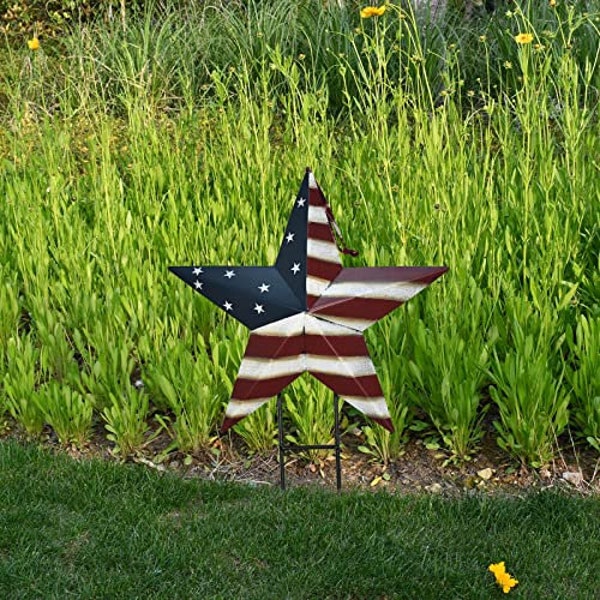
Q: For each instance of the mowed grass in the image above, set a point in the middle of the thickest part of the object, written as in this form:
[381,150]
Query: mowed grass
[93,529]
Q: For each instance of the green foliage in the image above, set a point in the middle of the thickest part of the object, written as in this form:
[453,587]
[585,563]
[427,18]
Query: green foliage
[309,405]
[9,310]
[449,361]
[259,429]
[68,412]
[20,383]
[55,16]
[184,384]
[389,354]
[531,397]
[125,421]
[9,322]
[178,136]
[583,375]
[169,53]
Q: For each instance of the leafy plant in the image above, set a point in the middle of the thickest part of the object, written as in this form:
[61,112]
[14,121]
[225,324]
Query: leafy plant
[68,412]
[182,383]
[112,368]
[448,368]
[9,310]
[259,429]
[125,420]
[389,349]
[20,384]
[583,375]
[531,398]
[309,405]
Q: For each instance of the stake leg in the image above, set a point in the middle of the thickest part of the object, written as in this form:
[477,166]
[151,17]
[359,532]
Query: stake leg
[281,440]
[284,448]
[338,453]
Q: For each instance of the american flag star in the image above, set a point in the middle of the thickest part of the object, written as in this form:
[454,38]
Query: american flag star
[307,312]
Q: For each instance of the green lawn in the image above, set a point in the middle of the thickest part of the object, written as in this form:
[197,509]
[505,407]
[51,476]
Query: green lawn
[99,530]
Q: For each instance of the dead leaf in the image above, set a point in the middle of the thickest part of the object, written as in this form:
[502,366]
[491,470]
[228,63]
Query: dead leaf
[573,477]
[434,488]
[485,474]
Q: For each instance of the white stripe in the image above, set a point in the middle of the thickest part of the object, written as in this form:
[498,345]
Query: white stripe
[317,326]
[383,290]
[322,250]
[241,408]
[349,366]
[372,407]
[317,214]
[256,368]
[288,327]
[352,325]
[312,182]
[316,286]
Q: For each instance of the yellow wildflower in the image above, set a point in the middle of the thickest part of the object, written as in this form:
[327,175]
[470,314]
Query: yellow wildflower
[524,38]
[503,579]
[372,11]
[33,43]
[552,3]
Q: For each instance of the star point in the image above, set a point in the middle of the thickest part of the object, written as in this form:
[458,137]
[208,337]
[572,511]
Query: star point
[264,287]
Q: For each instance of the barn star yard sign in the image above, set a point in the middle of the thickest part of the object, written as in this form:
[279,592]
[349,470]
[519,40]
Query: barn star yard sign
[307,313]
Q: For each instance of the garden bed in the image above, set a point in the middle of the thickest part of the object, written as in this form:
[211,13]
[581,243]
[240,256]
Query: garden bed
[417,470]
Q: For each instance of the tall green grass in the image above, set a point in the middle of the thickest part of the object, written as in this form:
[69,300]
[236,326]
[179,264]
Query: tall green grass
[180,138]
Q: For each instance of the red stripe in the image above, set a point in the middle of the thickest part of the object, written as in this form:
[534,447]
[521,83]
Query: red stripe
[336,345]
[424,275]
[310,300]
[315,197]
[371,309]
[251,389]
[367,386]
[387,423]
[323,269]
[320,231]
[229,422]
[273,346]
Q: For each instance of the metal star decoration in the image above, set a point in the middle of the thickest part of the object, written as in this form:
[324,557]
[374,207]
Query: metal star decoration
[307,312]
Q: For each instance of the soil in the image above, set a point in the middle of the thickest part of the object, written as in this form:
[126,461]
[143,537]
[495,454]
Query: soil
[418,470]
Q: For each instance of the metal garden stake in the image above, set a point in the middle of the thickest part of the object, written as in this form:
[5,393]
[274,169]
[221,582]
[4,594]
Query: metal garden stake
[308,313]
